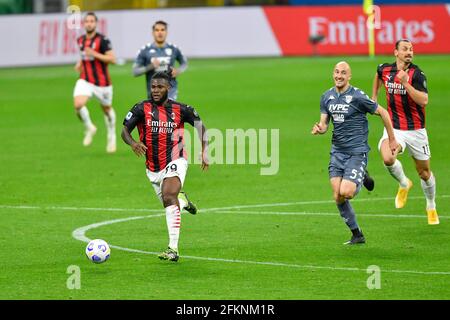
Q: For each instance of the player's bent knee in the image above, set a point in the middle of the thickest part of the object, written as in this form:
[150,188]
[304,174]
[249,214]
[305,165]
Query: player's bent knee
[106,109]
[169,199]
[78,104]
[347,192]
[348,195]
[336,197]
[80,101]
[388,158]
[424,174]
[388,161]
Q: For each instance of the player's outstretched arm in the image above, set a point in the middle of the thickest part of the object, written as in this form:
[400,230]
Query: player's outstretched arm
[138,147]
[377,83]
[321,127]
[393,145]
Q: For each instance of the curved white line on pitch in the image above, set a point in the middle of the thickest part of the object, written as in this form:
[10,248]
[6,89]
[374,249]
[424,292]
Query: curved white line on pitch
[79,234]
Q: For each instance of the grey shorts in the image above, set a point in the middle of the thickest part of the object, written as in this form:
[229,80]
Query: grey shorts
[348,166]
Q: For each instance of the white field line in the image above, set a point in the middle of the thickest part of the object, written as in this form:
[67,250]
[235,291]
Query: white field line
[286,204]
[78,208]
[304,213]
[80,234]
[281,204]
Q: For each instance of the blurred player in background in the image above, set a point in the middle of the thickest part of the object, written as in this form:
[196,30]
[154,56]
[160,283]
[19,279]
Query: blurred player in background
[407,96]
[160,122]
[160,56]
[96,54]
[347,107]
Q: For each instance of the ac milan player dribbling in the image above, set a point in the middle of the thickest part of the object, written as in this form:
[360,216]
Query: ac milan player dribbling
[407,96]
[96,54]
[160,122]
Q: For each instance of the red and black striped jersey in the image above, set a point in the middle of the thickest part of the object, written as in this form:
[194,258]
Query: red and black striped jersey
[94,70]
[161,129]
[405,113]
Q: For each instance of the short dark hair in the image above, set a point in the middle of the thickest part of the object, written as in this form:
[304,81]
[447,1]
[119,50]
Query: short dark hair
[161,75]
[401,40]
[91,13]
[160,22]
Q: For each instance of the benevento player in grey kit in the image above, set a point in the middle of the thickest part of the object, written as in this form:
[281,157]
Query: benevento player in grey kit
[160,56]
[347,106]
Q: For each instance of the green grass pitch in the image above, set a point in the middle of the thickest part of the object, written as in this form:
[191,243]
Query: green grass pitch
[287,244]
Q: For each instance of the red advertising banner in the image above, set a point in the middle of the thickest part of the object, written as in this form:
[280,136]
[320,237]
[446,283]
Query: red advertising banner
[55,38]
[345,29]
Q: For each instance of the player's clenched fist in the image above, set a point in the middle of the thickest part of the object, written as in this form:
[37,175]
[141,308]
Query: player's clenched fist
[402,76]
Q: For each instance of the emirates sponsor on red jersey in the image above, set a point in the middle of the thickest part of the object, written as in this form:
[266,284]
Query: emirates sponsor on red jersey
[405,113]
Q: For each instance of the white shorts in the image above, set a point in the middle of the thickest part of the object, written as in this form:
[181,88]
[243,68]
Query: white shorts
[176,168]
[416,141]
[103,94]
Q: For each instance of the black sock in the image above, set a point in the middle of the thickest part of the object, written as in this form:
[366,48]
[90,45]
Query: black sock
[356,232]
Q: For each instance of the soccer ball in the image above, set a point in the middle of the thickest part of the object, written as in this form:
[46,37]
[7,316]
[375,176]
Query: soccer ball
[98,251]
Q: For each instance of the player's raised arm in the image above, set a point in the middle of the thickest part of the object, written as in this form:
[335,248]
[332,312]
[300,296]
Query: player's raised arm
[321,127]
[393,145]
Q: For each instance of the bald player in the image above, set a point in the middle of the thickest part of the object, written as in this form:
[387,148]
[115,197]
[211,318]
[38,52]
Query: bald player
[346,106]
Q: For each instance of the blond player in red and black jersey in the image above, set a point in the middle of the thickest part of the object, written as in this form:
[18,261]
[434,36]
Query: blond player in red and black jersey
[96,54]
[160,122]
[407,97]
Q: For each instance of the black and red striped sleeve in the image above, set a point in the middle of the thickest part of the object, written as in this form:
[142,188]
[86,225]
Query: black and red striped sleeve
[419,81]
[105,45]
[189,115]
[380,70]
[134,116]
